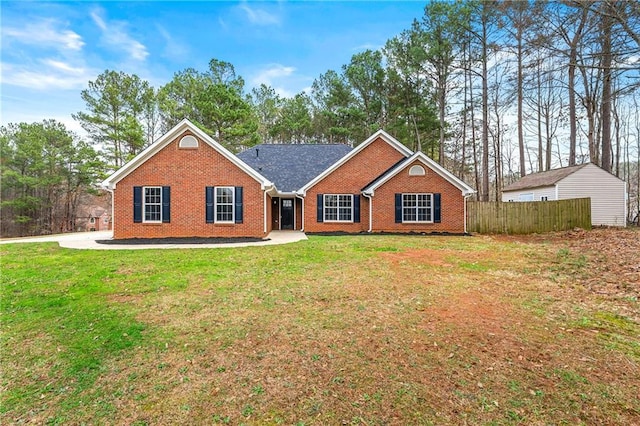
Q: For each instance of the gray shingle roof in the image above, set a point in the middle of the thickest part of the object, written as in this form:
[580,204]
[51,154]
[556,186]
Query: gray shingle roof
[548,178]
[291,166]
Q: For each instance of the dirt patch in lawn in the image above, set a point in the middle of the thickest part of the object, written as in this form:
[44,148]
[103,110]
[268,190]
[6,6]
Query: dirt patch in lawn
[471,311]
[426,256]
[603,262]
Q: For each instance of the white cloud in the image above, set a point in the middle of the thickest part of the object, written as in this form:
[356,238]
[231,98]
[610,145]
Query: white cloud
[115,35]
[272,72]
[64,67]
[273,75]
[259,16]
[54,75]
[367,46]
[44,33]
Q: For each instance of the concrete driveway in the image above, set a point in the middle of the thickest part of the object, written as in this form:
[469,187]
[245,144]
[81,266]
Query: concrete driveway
[87,240]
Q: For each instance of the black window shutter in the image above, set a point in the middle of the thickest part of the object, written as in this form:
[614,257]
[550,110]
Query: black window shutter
[320,215]
[437,210]
[398,208]
[356,208]
[166,204]
[210,214]
[137,204]
[238,201]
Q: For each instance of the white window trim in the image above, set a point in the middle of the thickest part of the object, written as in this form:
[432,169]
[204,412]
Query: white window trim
[430,194]
[92,220]
[324,209]
[233,204]
[144,204]
[526,197]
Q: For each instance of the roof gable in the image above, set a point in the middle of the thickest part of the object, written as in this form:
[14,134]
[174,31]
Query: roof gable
[169,137]
[290,166]
[418,156]
[540,179]
[380,134]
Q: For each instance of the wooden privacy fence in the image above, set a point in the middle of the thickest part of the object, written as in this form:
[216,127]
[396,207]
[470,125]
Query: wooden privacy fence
[528,217]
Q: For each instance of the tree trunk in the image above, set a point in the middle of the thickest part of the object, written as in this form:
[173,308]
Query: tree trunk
[539,118]
[485,108]
[606,90]
[573,59]
[520,102]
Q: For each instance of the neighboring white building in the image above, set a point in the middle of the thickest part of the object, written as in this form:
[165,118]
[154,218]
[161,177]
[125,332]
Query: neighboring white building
[607,192]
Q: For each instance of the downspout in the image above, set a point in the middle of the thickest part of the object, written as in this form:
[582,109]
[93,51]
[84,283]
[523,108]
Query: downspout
[370,197]
[466,197]
[113,204]
[302,201]
[264,215]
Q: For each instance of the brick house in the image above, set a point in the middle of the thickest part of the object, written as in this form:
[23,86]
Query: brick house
[186,184]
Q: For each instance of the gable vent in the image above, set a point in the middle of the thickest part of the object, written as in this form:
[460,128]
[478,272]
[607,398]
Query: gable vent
[188,142]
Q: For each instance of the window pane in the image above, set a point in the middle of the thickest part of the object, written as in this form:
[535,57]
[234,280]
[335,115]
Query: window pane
[330,200]
[152,195]
[408,200]
[224,195]
[345,201]
[344,214]
[152,212]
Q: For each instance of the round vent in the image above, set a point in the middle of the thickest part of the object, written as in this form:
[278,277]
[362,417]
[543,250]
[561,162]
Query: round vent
[416,171]
[188,142]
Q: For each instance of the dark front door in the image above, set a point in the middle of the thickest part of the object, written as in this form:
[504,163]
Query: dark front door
[286,213]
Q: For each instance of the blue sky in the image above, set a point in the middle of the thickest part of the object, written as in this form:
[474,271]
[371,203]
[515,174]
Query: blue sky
[50,50]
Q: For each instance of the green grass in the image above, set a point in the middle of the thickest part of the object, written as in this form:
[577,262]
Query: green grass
[371,329]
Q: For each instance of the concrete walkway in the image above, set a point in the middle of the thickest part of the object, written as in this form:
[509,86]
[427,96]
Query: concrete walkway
[87,240]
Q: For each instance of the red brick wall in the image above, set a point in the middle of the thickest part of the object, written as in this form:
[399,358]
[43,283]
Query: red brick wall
[452,202]
[350,178]
[188,172]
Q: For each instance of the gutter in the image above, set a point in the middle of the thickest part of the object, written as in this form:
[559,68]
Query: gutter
[113,205]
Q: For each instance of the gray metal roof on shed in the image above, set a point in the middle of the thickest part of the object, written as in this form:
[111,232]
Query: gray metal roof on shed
[548,178]
[291,166]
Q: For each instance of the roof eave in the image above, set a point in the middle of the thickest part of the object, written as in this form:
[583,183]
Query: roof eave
[420,156]
[379,134]
[111,182]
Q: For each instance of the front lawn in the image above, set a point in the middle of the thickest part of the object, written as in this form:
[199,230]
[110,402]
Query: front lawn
[333,330]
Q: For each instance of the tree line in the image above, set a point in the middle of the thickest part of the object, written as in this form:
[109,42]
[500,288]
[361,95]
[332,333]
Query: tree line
[493,90]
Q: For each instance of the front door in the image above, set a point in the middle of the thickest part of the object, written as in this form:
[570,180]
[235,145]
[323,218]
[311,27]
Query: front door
[286,213]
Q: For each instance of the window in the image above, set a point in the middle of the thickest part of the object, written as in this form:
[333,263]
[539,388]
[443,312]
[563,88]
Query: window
[152,206]
[92,220]
[544,198]
[105,220]
[224,204]
[526,197]
[416,171]
[417,208]
[188,142]
[338,208]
